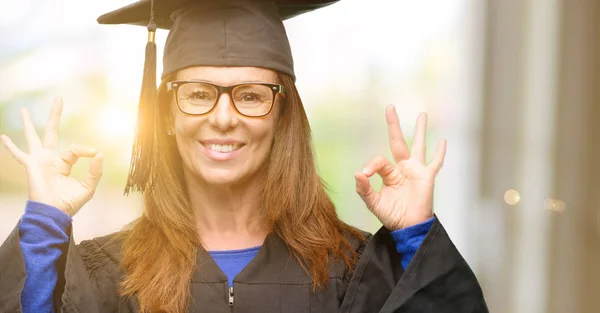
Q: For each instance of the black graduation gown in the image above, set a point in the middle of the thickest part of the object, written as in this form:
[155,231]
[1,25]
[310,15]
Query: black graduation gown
[437,280]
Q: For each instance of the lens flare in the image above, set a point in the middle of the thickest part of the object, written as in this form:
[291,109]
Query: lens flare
[116,123]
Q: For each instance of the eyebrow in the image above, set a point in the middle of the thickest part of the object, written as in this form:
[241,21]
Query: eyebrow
[238,83]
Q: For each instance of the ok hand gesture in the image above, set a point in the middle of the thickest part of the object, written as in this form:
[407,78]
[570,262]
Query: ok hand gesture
[48,179]
[406,197]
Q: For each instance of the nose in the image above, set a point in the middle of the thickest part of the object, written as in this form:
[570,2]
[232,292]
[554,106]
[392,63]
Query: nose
[224,115]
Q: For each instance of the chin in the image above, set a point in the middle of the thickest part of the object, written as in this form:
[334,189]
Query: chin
[220,176]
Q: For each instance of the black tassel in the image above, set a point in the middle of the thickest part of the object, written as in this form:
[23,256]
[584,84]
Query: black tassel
[143,157]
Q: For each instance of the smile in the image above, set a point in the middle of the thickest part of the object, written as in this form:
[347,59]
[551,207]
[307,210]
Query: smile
[223,148]
[222,152]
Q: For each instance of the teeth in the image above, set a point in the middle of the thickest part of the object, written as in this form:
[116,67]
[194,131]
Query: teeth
[222,148]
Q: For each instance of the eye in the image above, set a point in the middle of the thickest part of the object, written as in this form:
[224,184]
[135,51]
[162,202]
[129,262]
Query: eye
[251,97]
[197,95]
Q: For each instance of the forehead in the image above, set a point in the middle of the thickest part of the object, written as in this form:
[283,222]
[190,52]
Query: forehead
[227,75]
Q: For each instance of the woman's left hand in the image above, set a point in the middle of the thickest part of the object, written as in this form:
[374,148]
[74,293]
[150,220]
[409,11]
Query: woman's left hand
[406,197]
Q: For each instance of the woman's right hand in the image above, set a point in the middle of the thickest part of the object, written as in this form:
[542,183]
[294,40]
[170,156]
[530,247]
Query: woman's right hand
[48,179]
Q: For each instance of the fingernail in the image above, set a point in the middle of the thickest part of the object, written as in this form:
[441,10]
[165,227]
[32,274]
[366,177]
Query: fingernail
[364,170]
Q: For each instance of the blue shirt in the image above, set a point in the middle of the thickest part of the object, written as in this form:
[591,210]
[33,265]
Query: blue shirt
[44,229]
[232,262]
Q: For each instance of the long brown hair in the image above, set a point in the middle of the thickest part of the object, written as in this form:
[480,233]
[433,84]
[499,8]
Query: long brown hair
[159,248]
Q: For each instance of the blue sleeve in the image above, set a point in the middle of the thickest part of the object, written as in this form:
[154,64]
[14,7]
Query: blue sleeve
[43,233]
[408,240]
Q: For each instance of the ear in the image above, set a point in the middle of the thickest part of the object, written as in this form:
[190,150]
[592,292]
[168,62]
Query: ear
[167,117]
[169,121]
[167,101]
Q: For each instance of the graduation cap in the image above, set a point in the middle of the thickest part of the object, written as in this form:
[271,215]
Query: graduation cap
[203,33]
[218,32]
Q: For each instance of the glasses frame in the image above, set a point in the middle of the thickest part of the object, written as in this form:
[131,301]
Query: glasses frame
[174,86]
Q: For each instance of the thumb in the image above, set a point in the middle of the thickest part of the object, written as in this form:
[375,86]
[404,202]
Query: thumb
[365,191]
[94,173]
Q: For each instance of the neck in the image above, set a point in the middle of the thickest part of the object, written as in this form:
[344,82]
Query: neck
[227,216]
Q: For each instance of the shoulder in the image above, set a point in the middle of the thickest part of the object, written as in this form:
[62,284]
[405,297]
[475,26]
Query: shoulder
[355,242]
[92,276]
[101,254]
[357,245]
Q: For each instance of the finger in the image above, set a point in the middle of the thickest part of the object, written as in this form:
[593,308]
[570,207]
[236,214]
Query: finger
[397,141]
[72,154]
[418,146]
[75,151]
[438,157]
[51,130]
[365,191]
[381,166]
[94,173]
[19,155]
[33,141]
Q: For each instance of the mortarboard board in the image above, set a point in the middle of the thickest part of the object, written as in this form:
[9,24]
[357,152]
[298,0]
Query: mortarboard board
[138,13]
[209,33]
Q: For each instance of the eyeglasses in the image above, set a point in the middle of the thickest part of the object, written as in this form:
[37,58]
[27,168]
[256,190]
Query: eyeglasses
[249,99]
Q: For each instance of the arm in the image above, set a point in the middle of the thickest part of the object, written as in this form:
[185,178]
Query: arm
[408,240]
[43,237]
[85,276]
[437,280]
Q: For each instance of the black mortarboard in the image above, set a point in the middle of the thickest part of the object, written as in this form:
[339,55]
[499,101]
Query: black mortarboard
[219,32]
[209,33]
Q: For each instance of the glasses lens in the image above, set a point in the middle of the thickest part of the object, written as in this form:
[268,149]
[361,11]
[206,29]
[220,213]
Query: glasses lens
[252,99]
[196,98]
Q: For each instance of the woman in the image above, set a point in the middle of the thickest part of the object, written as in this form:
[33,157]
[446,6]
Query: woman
[235,217]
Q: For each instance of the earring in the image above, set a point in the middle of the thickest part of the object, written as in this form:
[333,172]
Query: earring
[170,132]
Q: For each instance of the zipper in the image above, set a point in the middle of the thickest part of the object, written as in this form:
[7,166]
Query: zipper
[231,296]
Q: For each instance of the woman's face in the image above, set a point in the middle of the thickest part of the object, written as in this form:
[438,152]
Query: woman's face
[204,141]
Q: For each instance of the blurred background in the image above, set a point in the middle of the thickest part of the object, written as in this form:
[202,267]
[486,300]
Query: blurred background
[512,85]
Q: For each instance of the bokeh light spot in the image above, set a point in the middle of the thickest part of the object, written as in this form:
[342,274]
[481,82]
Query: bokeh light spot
[554,205]
[512,197]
